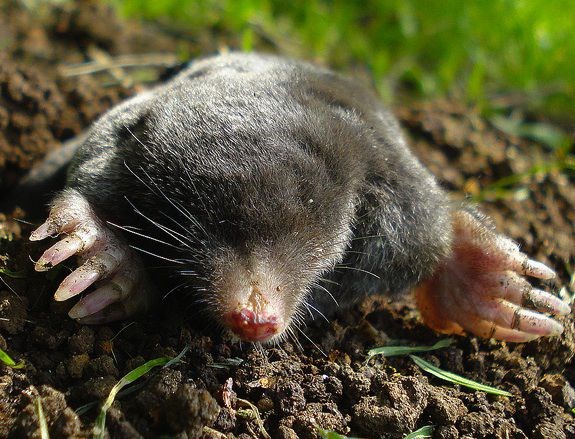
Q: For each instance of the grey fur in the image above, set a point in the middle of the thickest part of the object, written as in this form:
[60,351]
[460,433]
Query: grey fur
[242,143]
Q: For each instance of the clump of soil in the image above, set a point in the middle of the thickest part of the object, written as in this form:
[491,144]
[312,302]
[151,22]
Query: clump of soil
[219,385]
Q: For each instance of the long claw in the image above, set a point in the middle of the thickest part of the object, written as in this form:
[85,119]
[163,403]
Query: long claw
[545,302]
[95,302]
[95,268]
[75,283]
[508,315]
[59,221]
[46,230]
[486,329]
[114,290]
[528,267]
[59,252]
[515,289]
[131,305]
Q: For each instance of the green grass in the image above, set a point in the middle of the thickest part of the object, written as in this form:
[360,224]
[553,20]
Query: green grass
[8,361]
[426,431]
[392,351]
[475,50]
[457,379]
[44,433]
[498,55]
[99,430]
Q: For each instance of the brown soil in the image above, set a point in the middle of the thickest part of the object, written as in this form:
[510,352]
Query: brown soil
[293,387]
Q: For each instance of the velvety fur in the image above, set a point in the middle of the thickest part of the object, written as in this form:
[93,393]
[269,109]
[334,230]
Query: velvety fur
[253,159]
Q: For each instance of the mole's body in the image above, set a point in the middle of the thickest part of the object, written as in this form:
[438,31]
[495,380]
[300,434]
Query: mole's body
[253,179]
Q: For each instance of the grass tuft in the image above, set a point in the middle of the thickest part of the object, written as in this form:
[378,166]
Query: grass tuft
[448,47]
[389,351]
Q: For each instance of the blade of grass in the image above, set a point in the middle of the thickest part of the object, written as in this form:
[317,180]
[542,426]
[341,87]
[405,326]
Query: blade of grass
[392,351]
[177,358]
[257,416]
[21,274]
[124,392]
[330,434]
[44,434]
[426,431]
[454,378]
[100,424]
[8,361]
[545,133]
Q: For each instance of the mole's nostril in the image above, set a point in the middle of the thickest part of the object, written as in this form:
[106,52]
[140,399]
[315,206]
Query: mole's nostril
[251,326]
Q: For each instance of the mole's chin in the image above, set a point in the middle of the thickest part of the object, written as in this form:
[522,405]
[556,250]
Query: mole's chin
[251,326]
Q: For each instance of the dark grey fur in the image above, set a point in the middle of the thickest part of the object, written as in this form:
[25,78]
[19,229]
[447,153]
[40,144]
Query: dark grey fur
[243,143]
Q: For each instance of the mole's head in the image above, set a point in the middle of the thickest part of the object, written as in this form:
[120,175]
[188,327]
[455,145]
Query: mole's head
[263,238]
[254,190]
[253,236]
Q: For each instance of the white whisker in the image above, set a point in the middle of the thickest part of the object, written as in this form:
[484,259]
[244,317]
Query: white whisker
[162,227]
[143,235]
[172,290]
[311,341]
[318,311]
[175,261]
[321,287]
[346,267]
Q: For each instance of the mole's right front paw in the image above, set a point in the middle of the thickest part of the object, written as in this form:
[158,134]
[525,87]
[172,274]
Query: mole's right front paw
[105,258]
[480,288]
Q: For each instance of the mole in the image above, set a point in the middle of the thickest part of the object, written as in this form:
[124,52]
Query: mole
[267,188]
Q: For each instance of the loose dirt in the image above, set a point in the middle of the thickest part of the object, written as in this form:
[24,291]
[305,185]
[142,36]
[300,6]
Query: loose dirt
[294,386]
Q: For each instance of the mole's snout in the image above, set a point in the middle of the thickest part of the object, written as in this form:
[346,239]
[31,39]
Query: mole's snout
[252,298]
[251,326]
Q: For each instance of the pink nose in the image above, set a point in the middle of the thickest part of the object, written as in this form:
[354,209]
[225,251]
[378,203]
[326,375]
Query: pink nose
[250,326]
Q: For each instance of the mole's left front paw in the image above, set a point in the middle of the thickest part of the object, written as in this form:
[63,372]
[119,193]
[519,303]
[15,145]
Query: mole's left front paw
[480,288]
[105,260]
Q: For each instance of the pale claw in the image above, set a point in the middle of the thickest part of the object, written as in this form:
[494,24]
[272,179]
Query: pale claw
[116,299]
[485,329]
[508,315]
[102,256]
[511,256]
[97,267]
[133,304]
[116,289]
[544,302]
[533,268]
[478,289]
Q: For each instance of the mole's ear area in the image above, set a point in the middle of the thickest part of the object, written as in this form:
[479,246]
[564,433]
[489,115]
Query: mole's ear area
[480,288]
